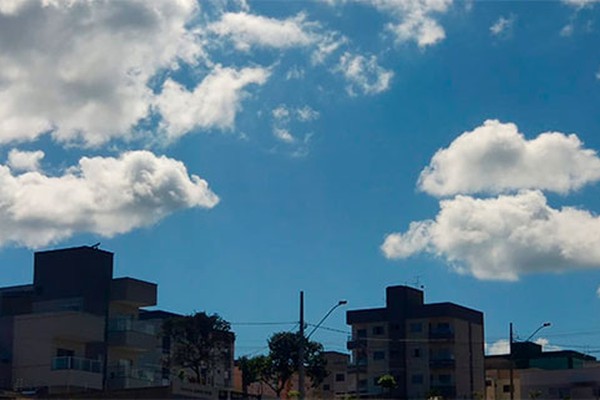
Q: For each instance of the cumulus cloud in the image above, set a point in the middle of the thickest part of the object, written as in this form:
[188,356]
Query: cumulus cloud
[25,160]
[503,238]
[364,74]
[499,347]
[546,346]
[503,26]
[496,158]
[81,69]
[580,3]
[105,196]
[213,103]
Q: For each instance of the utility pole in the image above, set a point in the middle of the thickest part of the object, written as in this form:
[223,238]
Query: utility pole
[512,362]
[301,350]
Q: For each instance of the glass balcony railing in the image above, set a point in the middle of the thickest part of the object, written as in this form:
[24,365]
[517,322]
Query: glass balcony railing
[76,363]
[130,325]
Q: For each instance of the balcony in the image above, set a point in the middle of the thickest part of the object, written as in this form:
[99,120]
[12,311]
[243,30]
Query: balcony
[132,334]
[358,367]
[77,364]
[125,377]
[133,292]
[446,391]
[442,363]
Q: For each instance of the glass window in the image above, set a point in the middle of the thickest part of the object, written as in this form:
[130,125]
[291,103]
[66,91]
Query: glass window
[417,379]
[378,330]
[378,355]
[340,377]
[415,327]
[361,333]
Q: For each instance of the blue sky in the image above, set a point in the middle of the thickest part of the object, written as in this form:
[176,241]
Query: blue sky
[238,152]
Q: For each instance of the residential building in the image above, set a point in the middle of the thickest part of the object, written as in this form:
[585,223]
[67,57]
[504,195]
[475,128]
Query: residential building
[338,383]
[546,374]
[430,349]
[78,329]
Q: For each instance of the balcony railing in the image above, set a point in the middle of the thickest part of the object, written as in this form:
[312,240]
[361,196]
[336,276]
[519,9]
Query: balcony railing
[119,371]
[356,343]
[130,325]
[76,363]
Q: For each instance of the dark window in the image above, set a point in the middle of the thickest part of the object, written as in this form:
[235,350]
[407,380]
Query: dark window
[376,381]
[396,327]
[362,383]
[488,382]
[415,327]
[417,379]
[326,388]
[378,355]
[506,388]
[445,378]
[64,353]
[394,354]
[340,377]
[417,353]
[361,333]
[378,330]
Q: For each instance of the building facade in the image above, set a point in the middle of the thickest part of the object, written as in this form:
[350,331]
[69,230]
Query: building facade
[432,350]
[77,329]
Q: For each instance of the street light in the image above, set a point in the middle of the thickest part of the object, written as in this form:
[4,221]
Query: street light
[544,325]
[340,303]
[512,360]
[301,388]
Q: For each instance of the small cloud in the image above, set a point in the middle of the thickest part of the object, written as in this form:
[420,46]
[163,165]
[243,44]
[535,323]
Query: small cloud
[25,160]
[598,291]
[598,75]
[546,346]
[307,114]
[503,26]
[567,30]
[281,113]
[364,74]
[294,73]
[578,4]
[284,135]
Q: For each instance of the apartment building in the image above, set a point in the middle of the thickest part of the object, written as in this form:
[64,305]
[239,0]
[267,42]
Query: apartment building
[338,382]
[78,329]
[556,374]
[432,350]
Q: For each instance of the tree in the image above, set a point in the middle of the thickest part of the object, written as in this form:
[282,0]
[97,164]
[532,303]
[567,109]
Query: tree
[282,361]
[388,382]
[253,370]
[198,342]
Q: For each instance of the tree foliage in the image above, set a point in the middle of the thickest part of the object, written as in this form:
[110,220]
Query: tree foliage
[276,369]
[198,342]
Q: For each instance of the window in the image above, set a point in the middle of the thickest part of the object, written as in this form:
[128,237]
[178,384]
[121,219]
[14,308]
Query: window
[64,353]
[506,388]
[394,354]
[340,377]
[326,388]
[376,381]
[415,327]
[445,378]
[361,333]
[417,353]
[378,355]
[362,383]
[417,379]
[378,330]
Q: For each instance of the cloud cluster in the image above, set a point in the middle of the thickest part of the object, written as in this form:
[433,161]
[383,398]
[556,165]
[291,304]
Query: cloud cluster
[284,118]
[101,195]
[503,26]
[516,232]
[81,69]
[364,74]
[502,346]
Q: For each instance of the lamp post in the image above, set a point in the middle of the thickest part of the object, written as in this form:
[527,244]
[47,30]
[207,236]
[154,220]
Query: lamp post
[512,358]
[301,371]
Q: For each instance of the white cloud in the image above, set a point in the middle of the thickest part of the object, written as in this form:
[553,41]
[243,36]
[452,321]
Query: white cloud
[104,196]
[281,113]
[247,30]
[306,114]
[598,75]
[25,160]
[580,3]
[80,69]
[496,158]
[364,74]
[283,135]
[567,30]
[499,347]
[546,346]
[414,19]
[213,103]
[503,26]
[503,238]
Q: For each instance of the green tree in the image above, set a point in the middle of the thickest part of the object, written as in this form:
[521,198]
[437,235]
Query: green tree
[198,342]
[387,382]
[253,370]
[282,361]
